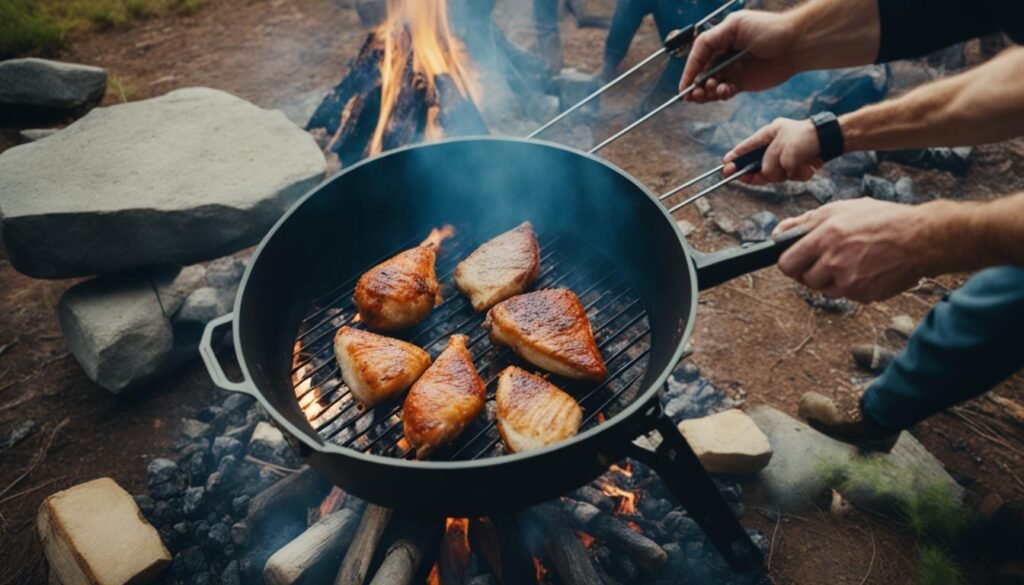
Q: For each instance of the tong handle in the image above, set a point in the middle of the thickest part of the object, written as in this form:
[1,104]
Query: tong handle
[680,38]
[753,157]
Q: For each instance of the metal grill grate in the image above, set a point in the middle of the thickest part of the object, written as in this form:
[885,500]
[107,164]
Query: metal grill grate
[616,313]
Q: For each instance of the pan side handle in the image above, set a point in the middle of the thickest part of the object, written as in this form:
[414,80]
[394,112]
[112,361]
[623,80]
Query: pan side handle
[677,464]
[210,358]
[714,268]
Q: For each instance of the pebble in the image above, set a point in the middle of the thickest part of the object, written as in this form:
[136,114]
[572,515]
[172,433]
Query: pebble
[18,434]
[192,501]
[194,560]
[161,471]
[223,446]
[198,467]
[218,536]
[235,402]
[240,505]
[902,325]
[145,504]
[758,227]
[194,429]
[240,533]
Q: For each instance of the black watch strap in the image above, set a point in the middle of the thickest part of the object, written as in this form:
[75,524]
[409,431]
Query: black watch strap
[830,136]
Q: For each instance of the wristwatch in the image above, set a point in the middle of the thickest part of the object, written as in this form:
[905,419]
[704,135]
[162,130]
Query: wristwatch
[830,136]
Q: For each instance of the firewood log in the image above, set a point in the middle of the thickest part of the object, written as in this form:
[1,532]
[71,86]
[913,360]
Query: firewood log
[314,555]
[360,553]
[301,489]
[617,534]
[571,559]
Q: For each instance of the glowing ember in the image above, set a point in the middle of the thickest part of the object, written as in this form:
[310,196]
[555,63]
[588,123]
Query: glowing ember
[627,499]
[585,538]
[357,318]
[600,417]
[332,502]
[634,526]
[627,470]
[540,570]
[434,578]
[403,444]
[438,235]
[309,397]
[419,28]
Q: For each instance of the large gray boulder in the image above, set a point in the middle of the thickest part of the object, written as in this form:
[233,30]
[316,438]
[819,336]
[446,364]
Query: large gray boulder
[51,84]
[189,176]
[804,460]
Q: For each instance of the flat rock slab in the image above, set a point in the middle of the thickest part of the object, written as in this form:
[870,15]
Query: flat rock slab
[797,472]
[728,442]
[94,534]
[50,84]
[189,176]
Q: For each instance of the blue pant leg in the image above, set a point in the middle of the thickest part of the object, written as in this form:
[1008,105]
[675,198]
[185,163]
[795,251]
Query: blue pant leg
[967,344]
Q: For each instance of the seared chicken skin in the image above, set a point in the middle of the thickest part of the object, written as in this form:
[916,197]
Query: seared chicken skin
[398,292]
[501,267]
[448,396]
[532,412]
[549,329]
[377,368]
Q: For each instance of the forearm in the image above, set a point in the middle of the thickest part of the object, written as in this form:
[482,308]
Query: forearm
[984,104]
[966,236]
[835,33]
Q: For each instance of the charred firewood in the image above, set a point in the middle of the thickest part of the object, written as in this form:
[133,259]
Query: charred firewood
[617,534]
[301,489]
[312,557]
[417,539]
[356,565]
[516,561]
[571,560]
[594,497]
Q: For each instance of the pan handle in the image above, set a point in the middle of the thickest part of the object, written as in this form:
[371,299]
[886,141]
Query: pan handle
[210,358]
[714,268]
[676,463]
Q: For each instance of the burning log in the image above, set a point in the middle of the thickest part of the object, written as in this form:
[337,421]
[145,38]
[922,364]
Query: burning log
[405,555]
[572,562]
[303,488]
[356,565]
[516,562]
[454,554]
[617,533]
[312,556]
[594,497]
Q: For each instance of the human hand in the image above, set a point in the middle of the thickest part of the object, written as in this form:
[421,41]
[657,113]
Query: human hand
[793,152]
[863,249]
[768,37]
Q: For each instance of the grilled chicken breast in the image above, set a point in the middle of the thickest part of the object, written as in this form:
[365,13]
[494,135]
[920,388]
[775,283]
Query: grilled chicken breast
[501,267]
[533,412]
[398,292]
[448,396]
[377,368]
[549,329]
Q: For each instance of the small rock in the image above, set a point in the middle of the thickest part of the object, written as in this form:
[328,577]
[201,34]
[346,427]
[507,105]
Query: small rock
[194,429]
[192,501]
[954,160]
[268,443]
[145,503]
[162,471]
[758,226]
[218,536]
[198,466]
[854,164]
[18,434]
[728,442]
[821,188]
[33,134]
[871,357]
[851,89]
[704,207]
[760,540]
[240,505]
[725,224]
[686,227]
[50,84]
[904,188]
[240,533]
[879,188]
[223,446]
[236,401]
[231,575]
[902,325]
[202,306]
[820,301]
[174,285]
[193,560]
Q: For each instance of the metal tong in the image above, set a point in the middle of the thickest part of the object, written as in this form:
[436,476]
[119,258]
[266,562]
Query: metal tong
[676,41]
[745,164]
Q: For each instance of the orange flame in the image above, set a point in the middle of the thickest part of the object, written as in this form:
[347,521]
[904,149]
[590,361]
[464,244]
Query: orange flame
[627,499]
[540,570]
[419,30]
[303,382]
[434,578]
[627,470]
[332,502]
[438,235]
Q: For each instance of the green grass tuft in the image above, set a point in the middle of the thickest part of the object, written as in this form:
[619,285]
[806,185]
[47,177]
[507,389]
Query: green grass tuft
[934,567]
[26,30]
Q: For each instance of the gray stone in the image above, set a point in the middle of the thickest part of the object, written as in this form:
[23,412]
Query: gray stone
[854,164]
[904,188]
[50,84]
[202,306]
[727,442]
[851,89]
[116,329]
[758,226]
[33,134]
[223,446]
[878,188]
[686,227]
[174,285]
[192,501]
[268,443]
[956,160]
[208,176]
[798,470]
[194,429]
[821,188]
[18,434]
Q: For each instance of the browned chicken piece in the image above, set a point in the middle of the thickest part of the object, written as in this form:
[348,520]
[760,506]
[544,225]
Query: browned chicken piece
[398,292]
[501,267]
[377,368]
[444,400]
[532,412]
[549,329]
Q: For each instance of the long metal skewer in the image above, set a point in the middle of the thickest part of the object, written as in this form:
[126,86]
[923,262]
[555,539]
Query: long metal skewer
[687,91]
[745,170]
[692,181]
[665,49]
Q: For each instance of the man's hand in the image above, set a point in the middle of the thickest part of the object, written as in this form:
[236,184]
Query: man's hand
[862,249]
[793,152]
[767,36]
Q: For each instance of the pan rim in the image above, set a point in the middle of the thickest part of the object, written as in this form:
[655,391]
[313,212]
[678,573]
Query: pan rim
[624,416]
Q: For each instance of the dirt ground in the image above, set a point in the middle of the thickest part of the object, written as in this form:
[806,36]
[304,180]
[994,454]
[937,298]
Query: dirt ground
[755,336]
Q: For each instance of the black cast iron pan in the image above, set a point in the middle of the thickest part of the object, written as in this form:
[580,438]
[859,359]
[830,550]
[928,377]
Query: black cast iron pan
[487,185]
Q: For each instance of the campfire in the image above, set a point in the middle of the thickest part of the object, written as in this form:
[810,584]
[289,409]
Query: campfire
[411,82]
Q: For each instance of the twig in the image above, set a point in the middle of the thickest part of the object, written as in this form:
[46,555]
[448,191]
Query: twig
[27,491]
[7,346]
[775,531]
[40,455]
[756,298]
[282,470]
[871,565]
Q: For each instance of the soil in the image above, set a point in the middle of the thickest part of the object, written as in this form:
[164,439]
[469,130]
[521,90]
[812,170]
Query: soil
[755,337]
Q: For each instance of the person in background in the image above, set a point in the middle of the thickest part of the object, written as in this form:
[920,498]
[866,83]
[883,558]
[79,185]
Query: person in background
[549,42]
[870,250]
